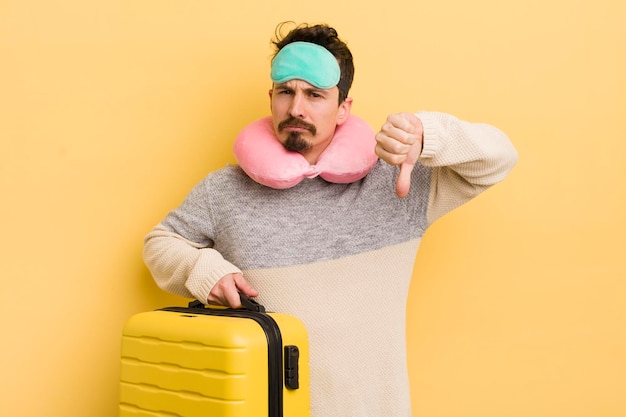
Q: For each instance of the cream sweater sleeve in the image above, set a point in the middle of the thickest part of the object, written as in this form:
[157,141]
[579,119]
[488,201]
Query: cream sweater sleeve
[181,266]
[467,158]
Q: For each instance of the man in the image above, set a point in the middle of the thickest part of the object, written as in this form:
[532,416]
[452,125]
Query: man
[337,255]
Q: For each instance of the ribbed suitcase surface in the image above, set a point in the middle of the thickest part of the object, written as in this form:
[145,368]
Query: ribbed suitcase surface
[193,362]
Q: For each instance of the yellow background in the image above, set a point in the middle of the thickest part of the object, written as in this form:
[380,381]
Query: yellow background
[110,111]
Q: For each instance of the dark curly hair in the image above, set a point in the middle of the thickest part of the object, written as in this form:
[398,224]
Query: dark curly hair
[326,36]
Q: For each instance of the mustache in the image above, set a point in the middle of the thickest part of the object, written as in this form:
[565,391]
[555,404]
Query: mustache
[295,122]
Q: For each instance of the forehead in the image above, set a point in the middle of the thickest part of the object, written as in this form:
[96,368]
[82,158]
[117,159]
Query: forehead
[302,85]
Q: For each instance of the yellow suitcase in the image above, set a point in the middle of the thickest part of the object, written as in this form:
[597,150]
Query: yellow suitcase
[207,362]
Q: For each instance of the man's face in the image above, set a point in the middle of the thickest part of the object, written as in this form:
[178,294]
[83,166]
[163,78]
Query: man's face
[305,117]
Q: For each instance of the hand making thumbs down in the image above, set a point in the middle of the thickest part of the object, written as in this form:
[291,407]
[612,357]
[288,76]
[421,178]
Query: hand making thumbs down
[399,142]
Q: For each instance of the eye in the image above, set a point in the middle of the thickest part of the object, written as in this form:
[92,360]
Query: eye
[316,94]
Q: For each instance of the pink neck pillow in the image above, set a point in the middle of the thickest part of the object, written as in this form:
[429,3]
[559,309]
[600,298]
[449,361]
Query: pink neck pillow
[349,157]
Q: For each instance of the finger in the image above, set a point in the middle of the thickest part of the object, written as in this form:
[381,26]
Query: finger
[391,150]
[244,286]
[232,296]
[390,157]
[402,122]
[395,135]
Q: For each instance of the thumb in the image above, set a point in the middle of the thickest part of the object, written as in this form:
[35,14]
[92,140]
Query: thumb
[403,184]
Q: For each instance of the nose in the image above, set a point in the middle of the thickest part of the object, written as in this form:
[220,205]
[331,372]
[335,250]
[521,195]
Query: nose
[297,108]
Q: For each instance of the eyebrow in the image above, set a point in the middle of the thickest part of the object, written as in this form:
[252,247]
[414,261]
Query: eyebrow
[311,89]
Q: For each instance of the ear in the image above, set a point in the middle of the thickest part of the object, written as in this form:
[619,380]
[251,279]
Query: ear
[270,92]
[344,111]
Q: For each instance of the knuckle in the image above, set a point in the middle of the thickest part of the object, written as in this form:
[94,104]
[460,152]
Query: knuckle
[397,148]
[394,159]
[399,159]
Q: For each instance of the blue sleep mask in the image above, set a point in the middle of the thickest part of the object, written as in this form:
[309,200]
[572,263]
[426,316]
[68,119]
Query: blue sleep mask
[306,61]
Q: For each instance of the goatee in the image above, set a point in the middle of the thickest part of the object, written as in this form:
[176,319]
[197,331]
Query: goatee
[296,143]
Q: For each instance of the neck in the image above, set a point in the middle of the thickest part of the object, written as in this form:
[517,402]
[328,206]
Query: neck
[312,155]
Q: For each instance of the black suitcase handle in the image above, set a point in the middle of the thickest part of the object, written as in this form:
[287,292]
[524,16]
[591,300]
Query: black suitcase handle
[247,303]
[250,304]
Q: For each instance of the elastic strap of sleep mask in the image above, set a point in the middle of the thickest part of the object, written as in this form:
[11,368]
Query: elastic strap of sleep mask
[306,61]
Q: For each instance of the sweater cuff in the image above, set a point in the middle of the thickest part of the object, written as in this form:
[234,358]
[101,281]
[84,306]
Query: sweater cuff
[432,142]
[209,268]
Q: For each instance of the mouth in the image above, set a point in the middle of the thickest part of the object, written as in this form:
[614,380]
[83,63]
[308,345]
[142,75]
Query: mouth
[295,130]
[296,125]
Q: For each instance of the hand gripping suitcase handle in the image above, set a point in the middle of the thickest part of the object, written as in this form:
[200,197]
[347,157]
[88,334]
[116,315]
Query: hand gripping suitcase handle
[247,304]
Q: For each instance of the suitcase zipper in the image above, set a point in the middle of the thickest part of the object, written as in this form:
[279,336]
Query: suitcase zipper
[274,348]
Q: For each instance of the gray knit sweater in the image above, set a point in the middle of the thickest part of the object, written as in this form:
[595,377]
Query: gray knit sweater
[322,251]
